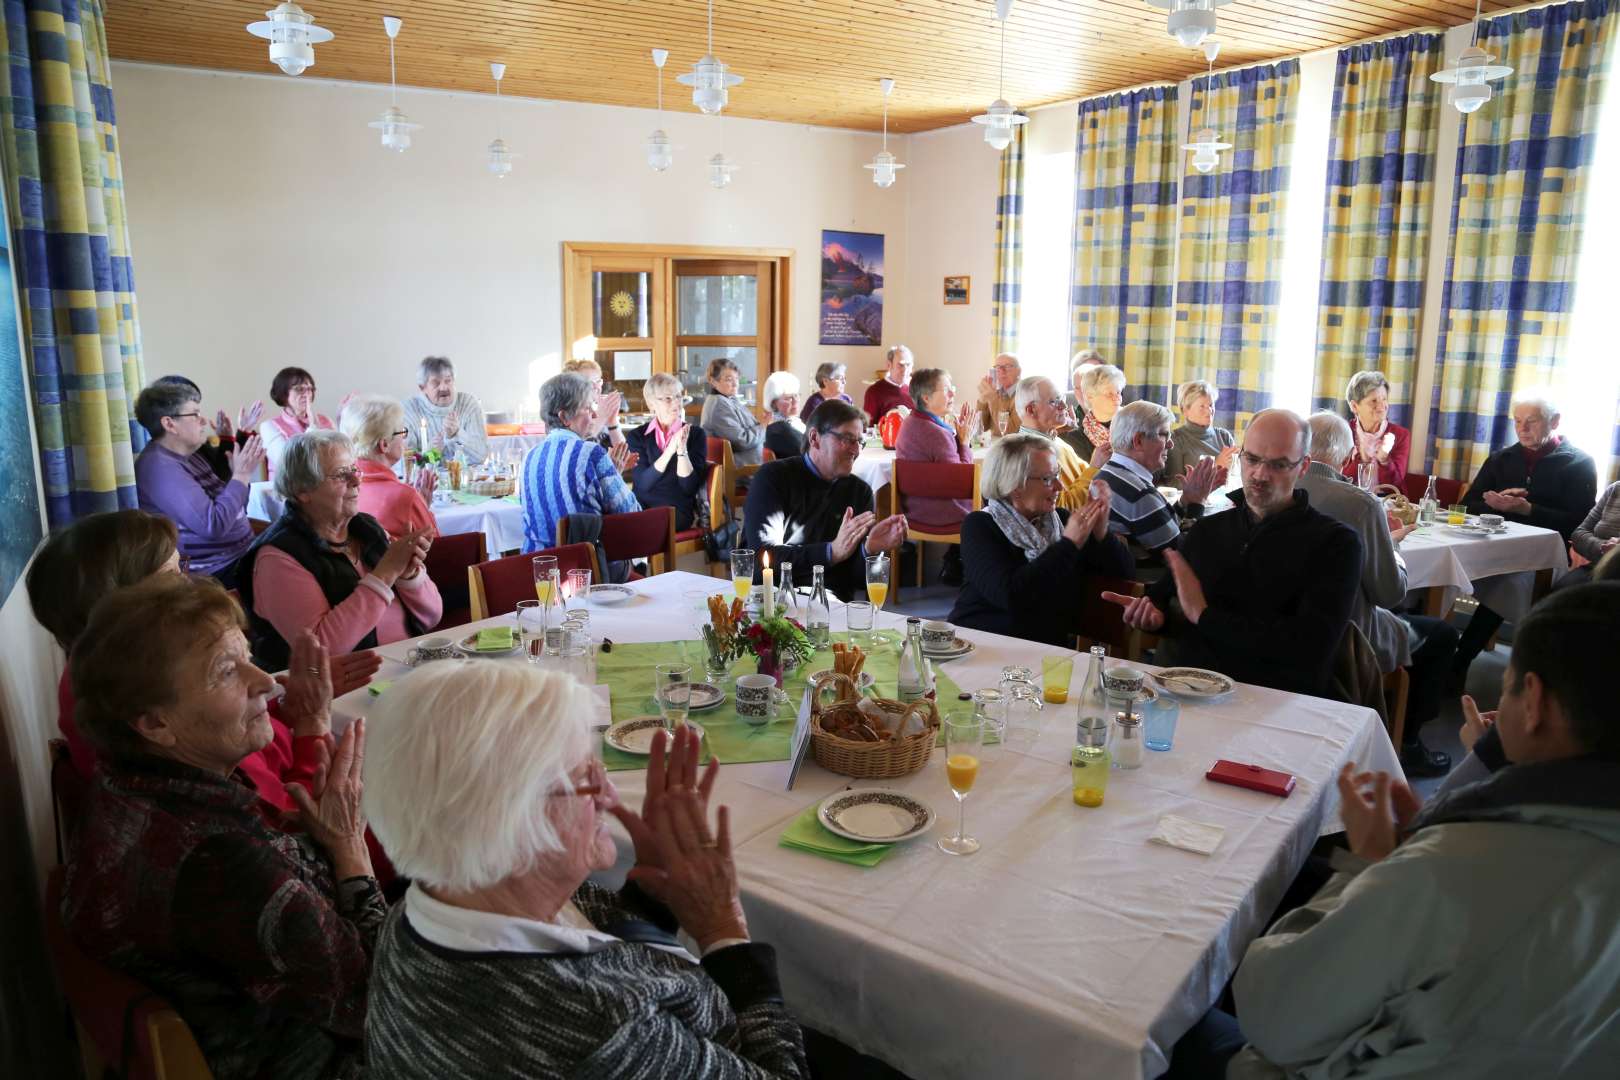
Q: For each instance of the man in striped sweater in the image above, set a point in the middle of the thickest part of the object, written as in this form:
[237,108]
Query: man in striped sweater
[570,473]
[1149,524]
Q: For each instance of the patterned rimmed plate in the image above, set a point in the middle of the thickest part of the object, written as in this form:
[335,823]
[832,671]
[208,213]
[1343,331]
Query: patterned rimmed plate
[635,735]
[469,646]
[1198,684]
[957,647]
[875,815]
[611,594]
[705,696]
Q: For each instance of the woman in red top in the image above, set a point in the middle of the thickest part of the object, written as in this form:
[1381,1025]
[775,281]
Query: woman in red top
[1377,439]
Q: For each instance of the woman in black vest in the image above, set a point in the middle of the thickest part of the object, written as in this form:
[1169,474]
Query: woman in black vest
[323,566]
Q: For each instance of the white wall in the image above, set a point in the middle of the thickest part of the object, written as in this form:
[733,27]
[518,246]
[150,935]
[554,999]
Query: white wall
[269,227]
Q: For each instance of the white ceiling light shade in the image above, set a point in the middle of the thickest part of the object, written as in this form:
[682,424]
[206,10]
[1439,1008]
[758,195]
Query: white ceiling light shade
[395,127]
[500,155]
[660,155]
[720,170]
[709,78]
[1000,119]
[1206,147]
[1470,79]
[1191,21]
[291,32]
[883,164]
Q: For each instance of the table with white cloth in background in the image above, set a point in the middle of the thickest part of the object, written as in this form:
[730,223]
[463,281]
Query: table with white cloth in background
[1068,945]
[1499,571]
[513,448]
[500,520]
[875,465]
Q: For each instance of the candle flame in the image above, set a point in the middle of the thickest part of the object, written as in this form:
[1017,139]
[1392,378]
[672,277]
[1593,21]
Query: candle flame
[765,560]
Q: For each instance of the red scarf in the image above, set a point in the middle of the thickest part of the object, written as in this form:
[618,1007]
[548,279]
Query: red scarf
[1095,430]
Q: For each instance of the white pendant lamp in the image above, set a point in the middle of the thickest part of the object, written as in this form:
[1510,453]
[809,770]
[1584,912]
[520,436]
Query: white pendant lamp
[1191,21]
[500,156]
[396,129]
[291,31]
[1470,79]
[660,155]
[1206,147]
[883,164]
[709,78]
[720,170]
[1000,119]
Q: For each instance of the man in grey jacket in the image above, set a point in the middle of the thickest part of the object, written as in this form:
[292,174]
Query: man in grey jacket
[1422,644]
[1479,935]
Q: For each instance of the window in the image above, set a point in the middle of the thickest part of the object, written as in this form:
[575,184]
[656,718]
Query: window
[1589,383]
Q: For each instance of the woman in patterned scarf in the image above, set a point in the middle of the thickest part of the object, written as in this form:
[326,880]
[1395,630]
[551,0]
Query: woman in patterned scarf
[1101,390]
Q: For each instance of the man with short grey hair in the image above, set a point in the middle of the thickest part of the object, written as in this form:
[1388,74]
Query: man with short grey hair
[1041,411]
[996,392]
[1140,435]
[452,422]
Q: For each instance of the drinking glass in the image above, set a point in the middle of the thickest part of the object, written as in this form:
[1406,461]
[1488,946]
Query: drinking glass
[964,742]
[1457,514]
[877,589]
[742,572]
[1003,420]
[531,620]
[672,686]
[544,567]
[859,614]
[1159,725]
[1367,474]
[578,586]
[1056,674]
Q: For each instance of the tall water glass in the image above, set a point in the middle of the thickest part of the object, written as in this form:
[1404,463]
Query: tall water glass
[531,621]
[672,687]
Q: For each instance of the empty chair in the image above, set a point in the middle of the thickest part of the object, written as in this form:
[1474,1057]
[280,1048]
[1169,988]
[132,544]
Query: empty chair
[496,586]
[642,534]
[447,563]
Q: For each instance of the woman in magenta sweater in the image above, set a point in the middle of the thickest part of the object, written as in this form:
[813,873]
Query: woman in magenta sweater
[933,433]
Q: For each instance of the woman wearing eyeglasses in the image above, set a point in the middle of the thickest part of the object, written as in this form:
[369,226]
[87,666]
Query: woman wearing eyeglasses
[376,427]
[671,454]
[327,567]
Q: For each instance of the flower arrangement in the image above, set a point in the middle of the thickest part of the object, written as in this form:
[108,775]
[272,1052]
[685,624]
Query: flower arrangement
[430,458]
[777,644]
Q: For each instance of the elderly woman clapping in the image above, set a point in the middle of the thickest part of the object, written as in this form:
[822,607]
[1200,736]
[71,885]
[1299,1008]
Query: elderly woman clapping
[376,427]
[1197,437]
[1100,389]
[1025,558]
[671,455]
[499,820]
[261,938]
[1379,441]
[327,567]
[784,431]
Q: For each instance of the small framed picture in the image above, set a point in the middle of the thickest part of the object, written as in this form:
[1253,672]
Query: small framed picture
[958,289]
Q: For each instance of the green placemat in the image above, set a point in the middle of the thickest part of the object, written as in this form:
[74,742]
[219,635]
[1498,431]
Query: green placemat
[467,498]
[628,671]
[806,833]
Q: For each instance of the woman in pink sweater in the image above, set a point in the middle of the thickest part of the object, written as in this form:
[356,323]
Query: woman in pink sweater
[376,427]
[933,433]
[293,389]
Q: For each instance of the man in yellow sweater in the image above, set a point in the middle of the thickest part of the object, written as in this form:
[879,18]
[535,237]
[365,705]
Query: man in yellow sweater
[1042,411]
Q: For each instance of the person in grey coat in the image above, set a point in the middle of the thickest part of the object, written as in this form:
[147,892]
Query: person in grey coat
[1197,437]
[1477,936]
[727,416]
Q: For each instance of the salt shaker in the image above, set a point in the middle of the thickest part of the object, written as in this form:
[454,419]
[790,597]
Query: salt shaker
[1127,741]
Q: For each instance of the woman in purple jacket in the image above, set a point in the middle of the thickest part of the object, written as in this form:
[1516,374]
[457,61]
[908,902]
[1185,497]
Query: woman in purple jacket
[933,433]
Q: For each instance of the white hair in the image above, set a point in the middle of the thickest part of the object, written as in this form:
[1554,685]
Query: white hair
[1095,375]
[895,351]
[1539,401]
[564,393]
[780,384]
[431,366]
[369,419]
[662,381]
[1194,389]
[1331,441]
[1006,467]
[302,467]
[1029,391]
[461,763]
[1138,418]
[1363,383]
[1084,358]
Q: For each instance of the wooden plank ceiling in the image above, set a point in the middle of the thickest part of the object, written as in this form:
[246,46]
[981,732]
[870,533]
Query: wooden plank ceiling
[804,61]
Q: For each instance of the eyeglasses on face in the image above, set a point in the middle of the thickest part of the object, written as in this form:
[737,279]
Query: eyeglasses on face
[399,433]
[185,415]
[349,476]
[1051,479]
[852,442]
[1277,464]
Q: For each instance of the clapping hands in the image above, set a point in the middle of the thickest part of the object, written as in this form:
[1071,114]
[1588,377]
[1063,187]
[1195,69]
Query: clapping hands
[1375,808]
[1508,501]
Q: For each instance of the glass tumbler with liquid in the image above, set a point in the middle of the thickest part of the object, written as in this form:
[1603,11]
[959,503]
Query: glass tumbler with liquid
[1089,761]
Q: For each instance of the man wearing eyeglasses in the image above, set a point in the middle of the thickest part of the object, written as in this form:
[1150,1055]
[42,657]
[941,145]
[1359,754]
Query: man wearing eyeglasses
[1040,410]
[1263,593]
[997,391]
[1140,438]
[811,509]
[174,480]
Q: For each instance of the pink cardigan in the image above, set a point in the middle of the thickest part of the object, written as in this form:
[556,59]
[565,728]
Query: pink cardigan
[290,598]
[1392,471]
[397,506]
[922,439]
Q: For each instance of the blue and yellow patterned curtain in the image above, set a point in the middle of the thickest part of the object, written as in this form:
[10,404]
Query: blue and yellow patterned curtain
[1007,296]
[66,208]
[1232,222]
[1375,228]
[1523,170]
[1126,165]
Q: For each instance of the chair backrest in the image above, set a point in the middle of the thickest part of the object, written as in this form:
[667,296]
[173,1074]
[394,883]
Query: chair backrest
[446,564]
[1447,490]
[495,587]
[1101,622]
[69,789]
[122,1024]
[934,480]
[719,506]
[640,535]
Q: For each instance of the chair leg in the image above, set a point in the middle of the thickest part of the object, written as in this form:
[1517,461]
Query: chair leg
[921,558]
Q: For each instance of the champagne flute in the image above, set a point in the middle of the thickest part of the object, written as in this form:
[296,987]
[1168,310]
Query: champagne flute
[578,587]
[544,567]
[672,686]
[1003,419]
[964,740]
[877,588]
[742,572]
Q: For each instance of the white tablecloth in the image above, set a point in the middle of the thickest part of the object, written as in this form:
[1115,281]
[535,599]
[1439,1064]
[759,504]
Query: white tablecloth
[875,465]
[513,447]
[1068,946]
[500,520]
[1498,570]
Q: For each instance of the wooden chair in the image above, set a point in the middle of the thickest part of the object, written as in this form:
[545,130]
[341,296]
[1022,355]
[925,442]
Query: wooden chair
[1448,491]
[69,789]
[1103,623]
[257,525]
[719,451]
[644,534]
[124,1028]
[1397,688]
[447,563]
[932,479]
[691,540]
[496,586]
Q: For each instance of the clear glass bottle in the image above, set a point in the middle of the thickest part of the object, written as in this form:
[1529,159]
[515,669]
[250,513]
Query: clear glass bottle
[553,614]
[1093,703]
[787,600]
[1429,507]
[916,679]
[818,614]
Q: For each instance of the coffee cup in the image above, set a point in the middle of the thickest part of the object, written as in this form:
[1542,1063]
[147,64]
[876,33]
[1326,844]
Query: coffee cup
[938,634]
[1122,682]
[433,648]
[1491,521]
[756,698]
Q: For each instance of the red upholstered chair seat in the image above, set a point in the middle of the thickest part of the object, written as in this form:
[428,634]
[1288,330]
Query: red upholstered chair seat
[446,565]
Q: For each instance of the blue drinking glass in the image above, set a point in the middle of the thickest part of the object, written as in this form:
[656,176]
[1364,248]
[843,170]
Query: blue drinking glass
[1159,725]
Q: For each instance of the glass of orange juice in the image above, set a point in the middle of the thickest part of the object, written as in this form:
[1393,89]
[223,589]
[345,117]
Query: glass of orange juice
[964,741]
[877,587]
[544,567]
[1456,514]
[1056,674]
[742,572]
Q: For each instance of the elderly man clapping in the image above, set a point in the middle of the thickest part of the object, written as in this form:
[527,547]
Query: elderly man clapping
[1141,440]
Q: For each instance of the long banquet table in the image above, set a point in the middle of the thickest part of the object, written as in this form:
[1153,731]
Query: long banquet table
[1069,945]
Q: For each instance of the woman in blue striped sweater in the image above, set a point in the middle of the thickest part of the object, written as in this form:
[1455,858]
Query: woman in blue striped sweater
[569,473]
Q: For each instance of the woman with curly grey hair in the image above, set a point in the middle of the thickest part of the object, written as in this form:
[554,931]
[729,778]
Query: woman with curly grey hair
[1379,441]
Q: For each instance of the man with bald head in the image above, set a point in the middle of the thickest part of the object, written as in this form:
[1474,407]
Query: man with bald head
[1264,592]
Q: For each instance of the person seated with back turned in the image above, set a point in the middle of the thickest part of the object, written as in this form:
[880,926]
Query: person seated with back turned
[261,938]
[998,409]
[784,431]
[670,454]
[1378,440]
[1140,436]
[1475,936]
[810,509]
[174,480]
[893,390]
[1197,437]
[934,433]
[570,473]
[1540,480]
[454,422]
[830,379]
[1422,644]
[1042,411]
[376,427]
[1263,592]
[499,820]
[1026,558]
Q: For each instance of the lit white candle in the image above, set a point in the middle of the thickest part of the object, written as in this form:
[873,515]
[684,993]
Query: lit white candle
[422,430]
[770,591]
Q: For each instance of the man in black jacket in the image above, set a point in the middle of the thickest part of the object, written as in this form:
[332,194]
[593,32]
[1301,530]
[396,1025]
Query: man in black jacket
[809,509]
[1262,593]
[1540,480]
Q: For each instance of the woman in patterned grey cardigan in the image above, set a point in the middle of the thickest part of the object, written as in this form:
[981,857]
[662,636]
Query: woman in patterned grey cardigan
[503,960]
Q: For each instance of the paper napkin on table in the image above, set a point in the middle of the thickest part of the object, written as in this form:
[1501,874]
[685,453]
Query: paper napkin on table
[806,833]
[1189,835]
[377,686]
[495,639]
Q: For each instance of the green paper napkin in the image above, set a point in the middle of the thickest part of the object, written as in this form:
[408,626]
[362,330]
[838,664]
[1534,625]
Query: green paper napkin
[495,639]
[806,833]
[378,686]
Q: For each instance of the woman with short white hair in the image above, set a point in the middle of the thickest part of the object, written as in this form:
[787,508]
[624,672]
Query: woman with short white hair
[1197,437]
[376,426]
[1025,559]
[831,377]
[784,431]
[1379,441]
[1100,389]
[671,454]
[499,820]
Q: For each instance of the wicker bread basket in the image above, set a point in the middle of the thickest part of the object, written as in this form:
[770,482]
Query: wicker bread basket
[878,759]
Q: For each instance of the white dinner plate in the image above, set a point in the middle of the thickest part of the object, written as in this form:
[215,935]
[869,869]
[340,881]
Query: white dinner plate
[635,735]
[1197,684]
[705,696]
[957,647]
[469,646]
[611,594]
[1475,530]
[875,815]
